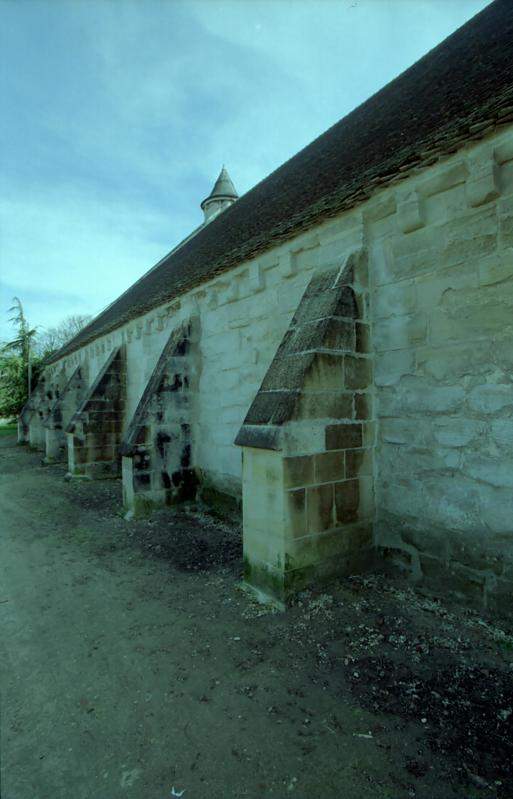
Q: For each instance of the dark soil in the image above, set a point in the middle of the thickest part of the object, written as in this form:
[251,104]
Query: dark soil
[192,541]
[467,712]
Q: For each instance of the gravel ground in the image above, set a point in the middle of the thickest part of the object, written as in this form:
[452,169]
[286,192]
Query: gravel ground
[133,665]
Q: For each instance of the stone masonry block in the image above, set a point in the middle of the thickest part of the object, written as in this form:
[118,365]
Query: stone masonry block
[344,436]
[482,185]
[358,462]
[416,253]
[339,335]
[295,513]
[401,332]
[396,299]
[506,223]
[390,367]
[471,236]
[326,372]
[347,499]
[363,337]
[410,215]
[491,397]
[502,433]
[363,406]
[329,467]
[497,268]
[298,471]
[319,508]
[324,405]
[496,472]
[357,372]
[286,372]
[455,361]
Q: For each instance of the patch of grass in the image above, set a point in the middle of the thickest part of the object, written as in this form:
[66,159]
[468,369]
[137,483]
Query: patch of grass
[8,429]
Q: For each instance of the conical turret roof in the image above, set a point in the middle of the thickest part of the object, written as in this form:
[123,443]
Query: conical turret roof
[223,187]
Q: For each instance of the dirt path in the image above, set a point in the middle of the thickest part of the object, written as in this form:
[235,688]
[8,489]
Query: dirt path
[131,665]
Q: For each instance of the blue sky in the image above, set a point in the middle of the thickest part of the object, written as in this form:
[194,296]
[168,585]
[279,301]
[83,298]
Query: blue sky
[117,117]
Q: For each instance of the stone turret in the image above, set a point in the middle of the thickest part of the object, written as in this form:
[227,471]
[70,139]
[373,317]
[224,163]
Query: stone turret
[221,197]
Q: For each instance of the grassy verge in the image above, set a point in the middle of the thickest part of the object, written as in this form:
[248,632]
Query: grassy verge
[7,429]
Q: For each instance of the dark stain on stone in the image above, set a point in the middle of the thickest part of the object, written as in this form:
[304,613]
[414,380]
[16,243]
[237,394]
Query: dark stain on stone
[161,441]
[185,459]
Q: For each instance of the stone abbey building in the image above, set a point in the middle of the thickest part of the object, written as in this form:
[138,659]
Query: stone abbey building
[333,351]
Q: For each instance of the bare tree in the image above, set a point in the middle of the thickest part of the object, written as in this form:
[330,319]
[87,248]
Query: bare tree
[52,338]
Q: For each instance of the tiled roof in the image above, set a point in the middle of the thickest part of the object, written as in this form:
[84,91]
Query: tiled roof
[459,91]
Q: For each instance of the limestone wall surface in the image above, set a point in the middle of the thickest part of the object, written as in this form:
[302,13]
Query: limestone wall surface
[439,315]
[442,288]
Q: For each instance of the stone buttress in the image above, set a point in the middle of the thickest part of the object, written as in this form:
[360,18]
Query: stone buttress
[61,413]
[157,448]
[95,431]
[308,444]
[37,409]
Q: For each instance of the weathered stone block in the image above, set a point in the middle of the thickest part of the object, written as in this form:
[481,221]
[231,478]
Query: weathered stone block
[287,372]
[357,372]
[344,436]
[400,332]
[389,367]
[456,431]
[454,361]
[410,214]
[347,500]
[502,433]
[497,268]
[298,471]
[445,285]
[366,499]
[491,397]
[482,185]
[506,224]
[268,406]
[319,508]
[329,467]
[497,472]
[295,513]
[339,334]
[363,337]
[324,405]
[326,372]
[470,236]
[358,462]
[415,253]
[397,299]
[413,399]
[363,406]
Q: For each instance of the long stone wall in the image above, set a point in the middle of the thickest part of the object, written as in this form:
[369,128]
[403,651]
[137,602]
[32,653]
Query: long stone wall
[438,316]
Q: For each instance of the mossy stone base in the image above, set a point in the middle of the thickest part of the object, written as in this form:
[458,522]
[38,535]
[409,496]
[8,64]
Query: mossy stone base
[223,506]
[278,586]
